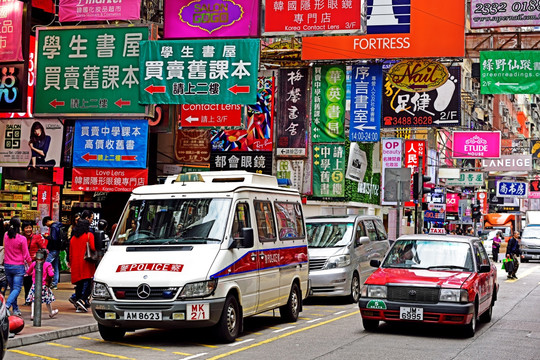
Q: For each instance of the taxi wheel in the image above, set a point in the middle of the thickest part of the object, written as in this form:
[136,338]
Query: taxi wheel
[111,333]
[470,328]
[291,310]
[486,317]
[370,325]
[355,289]
[228,326]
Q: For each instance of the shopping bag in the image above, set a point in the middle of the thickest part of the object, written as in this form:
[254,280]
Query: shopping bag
[62,256]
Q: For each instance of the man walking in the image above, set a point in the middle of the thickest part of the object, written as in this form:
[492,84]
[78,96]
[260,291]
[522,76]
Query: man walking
[514,251]
[54,246]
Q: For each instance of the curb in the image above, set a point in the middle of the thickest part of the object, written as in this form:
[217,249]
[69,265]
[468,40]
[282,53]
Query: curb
[51,335]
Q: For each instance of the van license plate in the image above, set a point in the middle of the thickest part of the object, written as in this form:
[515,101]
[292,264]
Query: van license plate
[411,313]
[198,311]
[142,315]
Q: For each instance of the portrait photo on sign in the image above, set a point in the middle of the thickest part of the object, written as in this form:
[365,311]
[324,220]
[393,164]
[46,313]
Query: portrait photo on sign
[357,163]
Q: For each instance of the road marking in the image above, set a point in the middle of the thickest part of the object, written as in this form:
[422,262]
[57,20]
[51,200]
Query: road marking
[241,342]
[104,354]
[59,345]
[205,345]
[525,273]
[285,328]
[282,336]
[33,355]
[194,356]
[181,353]
[339,312]
[303,318]
[317,319]
[124,344]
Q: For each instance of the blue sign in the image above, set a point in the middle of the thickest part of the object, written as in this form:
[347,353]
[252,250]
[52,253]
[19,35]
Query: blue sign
[110,143]
[434,216]
[384,18]
[366,103]
[512,189]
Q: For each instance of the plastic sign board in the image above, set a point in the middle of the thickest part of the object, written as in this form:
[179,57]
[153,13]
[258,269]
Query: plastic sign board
[11,31]
[329,170]
[199,71]
[366,100]
[76,10]
[509,72]
[467,179]
[201,115]
[508,163]
[438,231]
[108,180]
[512,189]
[476,144]
[503,13]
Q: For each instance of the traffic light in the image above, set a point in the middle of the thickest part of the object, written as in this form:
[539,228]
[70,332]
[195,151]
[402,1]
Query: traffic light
[476,214]
[417,186]
[426,190]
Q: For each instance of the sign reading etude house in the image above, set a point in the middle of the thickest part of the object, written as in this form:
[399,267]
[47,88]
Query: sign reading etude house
[257,162]
[476,144]
[510,72]
[89,70]
[329,170]
[199,71]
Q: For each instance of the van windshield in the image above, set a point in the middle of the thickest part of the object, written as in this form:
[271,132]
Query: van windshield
[531,232]
[323,235]
[173,221]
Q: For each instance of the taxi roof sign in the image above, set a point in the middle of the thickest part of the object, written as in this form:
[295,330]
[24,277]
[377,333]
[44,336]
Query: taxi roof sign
[440,231]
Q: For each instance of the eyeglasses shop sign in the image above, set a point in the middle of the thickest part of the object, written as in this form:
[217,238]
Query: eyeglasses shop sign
[508,163]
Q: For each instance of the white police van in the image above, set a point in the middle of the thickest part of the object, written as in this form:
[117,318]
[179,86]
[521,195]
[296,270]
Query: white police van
[203,250]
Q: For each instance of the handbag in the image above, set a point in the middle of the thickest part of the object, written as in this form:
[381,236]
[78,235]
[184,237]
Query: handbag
[90,255]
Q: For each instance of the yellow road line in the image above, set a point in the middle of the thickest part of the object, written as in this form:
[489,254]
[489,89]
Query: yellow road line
[525,273]
[180,353]
[122,343]
[104,354]
[282,336]
[205,345]
[59,345]
[33,355]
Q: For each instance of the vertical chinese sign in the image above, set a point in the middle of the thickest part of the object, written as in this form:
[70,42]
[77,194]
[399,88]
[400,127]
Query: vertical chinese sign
[366,100]
[293,115]
[328,104]
[392,156]
[415,151]
[11,18]
[329,170]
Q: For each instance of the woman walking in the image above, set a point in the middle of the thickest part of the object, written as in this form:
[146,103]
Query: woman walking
[16,256]
[82,271]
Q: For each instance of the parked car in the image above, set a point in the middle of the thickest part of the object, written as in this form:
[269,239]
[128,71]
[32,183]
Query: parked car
[444,279]
[340,249]
[488,241]
[530,243]
[4,326]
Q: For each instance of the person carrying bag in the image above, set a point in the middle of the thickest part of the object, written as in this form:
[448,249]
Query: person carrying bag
[82,270]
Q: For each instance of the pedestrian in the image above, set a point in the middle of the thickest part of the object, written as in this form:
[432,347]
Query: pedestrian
[82,271]
[496,246]
[47,296]
[16,258]
[35,243]
[89,215]
[102,227]
[513,252]
[54,246]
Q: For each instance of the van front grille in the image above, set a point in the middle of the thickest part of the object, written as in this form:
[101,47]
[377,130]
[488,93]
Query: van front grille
[156,293]
[316,264]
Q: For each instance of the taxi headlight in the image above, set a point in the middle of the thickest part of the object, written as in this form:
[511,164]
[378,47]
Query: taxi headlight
[375,291]
[100,291]
[337,262]
[199,289]
[454,295]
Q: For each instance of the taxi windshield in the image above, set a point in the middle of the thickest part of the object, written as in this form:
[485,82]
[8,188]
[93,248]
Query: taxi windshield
[431,255]
[173,221]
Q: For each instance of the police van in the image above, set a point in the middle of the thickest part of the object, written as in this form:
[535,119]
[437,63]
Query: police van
[203,250]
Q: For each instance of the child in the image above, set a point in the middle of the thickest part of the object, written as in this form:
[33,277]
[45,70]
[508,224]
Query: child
[47,295]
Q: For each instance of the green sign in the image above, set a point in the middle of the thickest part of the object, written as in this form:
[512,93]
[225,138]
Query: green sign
[329,170]
[89,70]
[467,179]
[199,71]
[376,304]
[510,72]
[328,104]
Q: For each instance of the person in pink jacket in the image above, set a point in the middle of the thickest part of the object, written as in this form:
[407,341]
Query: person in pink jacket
[16,255]
[47,295]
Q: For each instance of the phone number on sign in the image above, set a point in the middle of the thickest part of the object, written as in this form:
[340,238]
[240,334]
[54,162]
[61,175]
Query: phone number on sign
[409,120]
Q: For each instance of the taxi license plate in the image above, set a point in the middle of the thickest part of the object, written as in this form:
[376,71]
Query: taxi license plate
[411,313]
[142,315]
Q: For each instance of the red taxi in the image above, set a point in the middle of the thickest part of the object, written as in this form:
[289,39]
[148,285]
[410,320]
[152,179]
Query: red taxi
[444,279]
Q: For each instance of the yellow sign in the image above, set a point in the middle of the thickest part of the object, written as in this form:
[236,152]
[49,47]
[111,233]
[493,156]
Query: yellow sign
[418,75]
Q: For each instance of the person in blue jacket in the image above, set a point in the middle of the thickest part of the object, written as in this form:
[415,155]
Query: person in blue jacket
[513,251]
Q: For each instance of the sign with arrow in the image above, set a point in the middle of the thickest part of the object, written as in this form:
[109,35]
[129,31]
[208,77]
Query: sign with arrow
[202,115]
[199,71]
[509,72]
[366,100]
[110,143]
[329,170]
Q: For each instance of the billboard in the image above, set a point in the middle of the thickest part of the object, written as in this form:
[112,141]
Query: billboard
[509,72]
[476,144]
[366,100]
[503,13]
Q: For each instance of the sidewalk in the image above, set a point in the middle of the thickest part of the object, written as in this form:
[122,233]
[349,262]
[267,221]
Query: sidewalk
[66,323]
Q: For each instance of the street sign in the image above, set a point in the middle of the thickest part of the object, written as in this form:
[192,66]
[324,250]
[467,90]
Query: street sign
[202,115]
[512,189]
[509,72]
[199,71]
[366,100]
[391,178]
[108,180]
[467,179]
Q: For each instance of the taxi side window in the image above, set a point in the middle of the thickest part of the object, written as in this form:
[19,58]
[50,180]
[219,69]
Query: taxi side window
[241,219]
[370,229]
[266,226]
[481,255]
[360,232]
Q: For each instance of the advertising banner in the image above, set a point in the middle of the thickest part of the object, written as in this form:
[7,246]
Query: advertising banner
[328,170]
[476,144]
[452,202]
[437,107]
[192,146]
[44,200]
[30,143]
[110,143]
[210,115]
[467,179]
[199,71]
[256,162]
[509,72]
[211,18]
[534,189]
[294,113]
[292,170]
[77,10]
[108,180]
[414,149]
[508,163]
[398,29]
[482,198]
[392,157]
[434,216]
[89,70]
[290,17]
[366,100]
[11,19]
[511,189]
[13,87]
[503,13]
[328,104]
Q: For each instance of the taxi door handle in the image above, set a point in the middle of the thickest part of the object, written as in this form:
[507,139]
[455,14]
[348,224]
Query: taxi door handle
[253,257]
[261,256]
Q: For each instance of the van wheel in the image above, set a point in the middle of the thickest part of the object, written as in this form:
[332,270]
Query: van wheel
[291,310]
[355,289]
[228,326]
[111,333]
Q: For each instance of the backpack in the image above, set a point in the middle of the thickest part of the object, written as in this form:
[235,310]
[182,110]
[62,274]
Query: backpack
[64,241]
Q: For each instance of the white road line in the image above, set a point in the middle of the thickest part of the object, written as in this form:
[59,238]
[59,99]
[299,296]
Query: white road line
[285,328]
[194,356]
[339,312]
[241,342]
[317,319]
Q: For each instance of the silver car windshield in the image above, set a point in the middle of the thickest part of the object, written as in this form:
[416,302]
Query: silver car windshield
[173,221]
[531,232]
[323,235]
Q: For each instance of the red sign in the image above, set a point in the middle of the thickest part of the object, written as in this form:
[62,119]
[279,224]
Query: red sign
[150,267]
[452,202]
[108,180]
[482,198]
[196,115]
[437,231]
[413,150]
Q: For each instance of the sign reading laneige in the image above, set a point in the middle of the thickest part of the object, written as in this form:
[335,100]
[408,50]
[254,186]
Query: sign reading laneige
[508,163]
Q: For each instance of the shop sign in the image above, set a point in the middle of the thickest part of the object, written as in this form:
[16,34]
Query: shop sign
[328,109]
[452,202]
[292,170]
[328,170]
[482,198]
[535,149]
[436,207]
[44,203]
[437,107]
[108,180]
[210,115]
[414,149]
[511,189]
[290,17]
[95,10]
[293,117]
[366,100]
[392,157]
[89,70]
[434,216]
[110,143]
[467,179]
[418,75]
[509,72]
[534,189]
[12,87]
[15,150]
[476,144]
[211,18]
[504,13]
[199,71]
[508,163]
[192,146]
[11,18]
[437,29]
[256,162]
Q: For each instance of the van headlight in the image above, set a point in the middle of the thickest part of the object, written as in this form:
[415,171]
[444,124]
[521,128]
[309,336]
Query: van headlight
[199,289]
[100,291]
[374,291]
[337,262]
[454,295]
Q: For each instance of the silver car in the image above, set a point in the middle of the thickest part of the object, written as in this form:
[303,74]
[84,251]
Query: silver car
[340,249]
[530,243]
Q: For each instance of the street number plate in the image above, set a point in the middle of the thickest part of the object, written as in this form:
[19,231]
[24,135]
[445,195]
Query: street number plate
[411,313]
[198,311]
[142,315]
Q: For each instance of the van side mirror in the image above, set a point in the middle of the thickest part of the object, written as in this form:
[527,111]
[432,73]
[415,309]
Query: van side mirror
[364,240]
[245,241]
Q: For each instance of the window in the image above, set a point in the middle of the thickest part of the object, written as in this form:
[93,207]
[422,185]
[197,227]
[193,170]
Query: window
[265,221]
[241,220]
[289,219]
[381,230]
[481,255]
[370,229]
[360,232]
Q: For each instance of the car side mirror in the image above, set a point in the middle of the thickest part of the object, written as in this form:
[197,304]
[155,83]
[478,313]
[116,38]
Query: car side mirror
[484,269]
[364,240]
[375,263]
